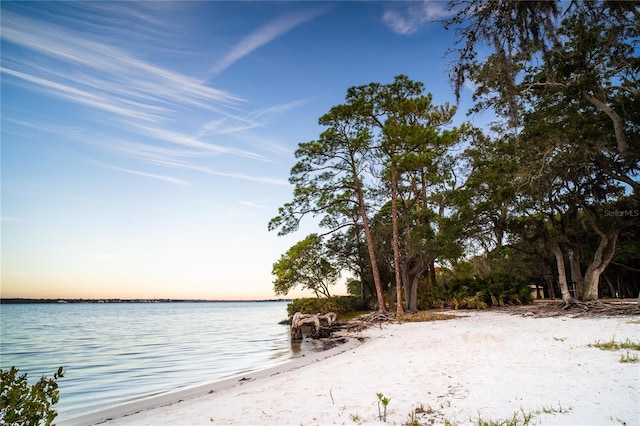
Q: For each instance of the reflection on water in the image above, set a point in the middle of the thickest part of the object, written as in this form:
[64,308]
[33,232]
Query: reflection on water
[296,347]
[300,347]
[115,352]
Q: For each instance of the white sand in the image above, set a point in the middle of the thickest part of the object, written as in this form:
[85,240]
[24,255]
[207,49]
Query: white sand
[487,365]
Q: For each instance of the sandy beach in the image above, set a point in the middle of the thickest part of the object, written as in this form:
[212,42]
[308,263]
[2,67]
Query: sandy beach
[488,365]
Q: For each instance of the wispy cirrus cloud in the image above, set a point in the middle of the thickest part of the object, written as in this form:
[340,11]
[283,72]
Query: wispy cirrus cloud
[280,108]
[409,19]
[263,36]
[163,178]
[143,110]
[101,68]
[105,102]
[252,120]
[179,138]
[175,159]
[252,205]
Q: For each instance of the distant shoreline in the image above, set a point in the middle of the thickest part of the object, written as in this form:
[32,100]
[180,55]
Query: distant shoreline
[20,300]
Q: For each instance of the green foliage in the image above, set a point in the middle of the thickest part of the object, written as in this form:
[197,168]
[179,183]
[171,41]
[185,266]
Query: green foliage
[519,418]
[478,293]
[341,305]
[307,264]
[21,404]
[630,358]
[382,414]
[429,415]
[423,316]
[553,410]
[413,420]
[612,345]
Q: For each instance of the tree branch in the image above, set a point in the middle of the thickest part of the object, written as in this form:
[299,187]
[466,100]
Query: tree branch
[618,125]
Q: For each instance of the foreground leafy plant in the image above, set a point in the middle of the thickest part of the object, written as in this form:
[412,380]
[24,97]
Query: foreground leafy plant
[384,401]
[24,405]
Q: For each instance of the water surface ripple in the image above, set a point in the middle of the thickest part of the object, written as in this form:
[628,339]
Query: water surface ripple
[114,352]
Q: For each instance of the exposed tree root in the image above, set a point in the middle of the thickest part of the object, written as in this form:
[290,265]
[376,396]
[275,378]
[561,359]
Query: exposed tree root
[573,303]
[577,308]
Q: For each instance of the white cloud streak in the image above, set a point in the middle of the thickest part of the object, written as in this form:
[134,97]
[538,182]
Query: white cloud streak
[415,16]
[164,178]
[157,116]
[262,36]
[252,205]
[117,70]
[83,97]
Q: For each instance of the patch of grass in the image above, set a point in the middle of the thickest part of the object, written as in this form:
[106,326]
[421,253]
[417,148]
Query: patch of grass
[559,339]
[519,418]
[412,421]
[353,314]
[421,409]
[554,410]
[631,358]
[424,316]
[612,345]
[429,416]
[355,418]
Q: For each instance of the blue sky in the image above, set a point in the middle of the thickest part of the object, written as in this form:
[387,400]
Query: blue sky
[146,145]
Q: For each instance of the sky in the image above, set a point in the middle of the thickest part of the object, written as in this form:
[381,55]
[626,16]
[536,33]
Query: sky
[146,145]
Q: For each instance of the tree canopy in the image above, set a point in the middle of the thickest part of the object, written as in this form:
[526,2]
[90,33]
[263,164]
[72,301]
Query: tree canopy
[409,199]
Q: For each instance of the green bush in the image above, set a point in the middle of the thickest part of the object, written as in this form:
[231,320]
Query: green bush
[24,405]
[496,289]
[339,304]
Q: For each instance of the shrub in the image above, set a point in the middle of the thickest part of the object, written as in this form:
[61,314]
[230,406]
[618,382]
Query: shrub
[496,289]
[339,304]
[22,405]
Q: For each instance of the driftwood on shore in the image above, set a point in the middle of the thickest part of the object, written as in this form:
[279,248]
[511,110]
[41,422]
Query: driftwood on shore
[315,321]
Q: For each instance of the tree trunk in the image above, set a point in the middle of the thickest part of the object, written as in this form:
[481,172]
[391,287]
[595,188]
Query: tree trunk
[405,280]
[591,281]
[548,278]
[432,275]
[567,300]
[601,259]
[413,306]
[410,281]
[396,238]
[576,273]
[361,268]
[382,307]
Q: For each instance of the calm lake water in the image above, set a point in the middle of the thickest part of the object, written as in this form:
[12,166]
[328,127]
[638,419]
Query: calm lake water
[115,352]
